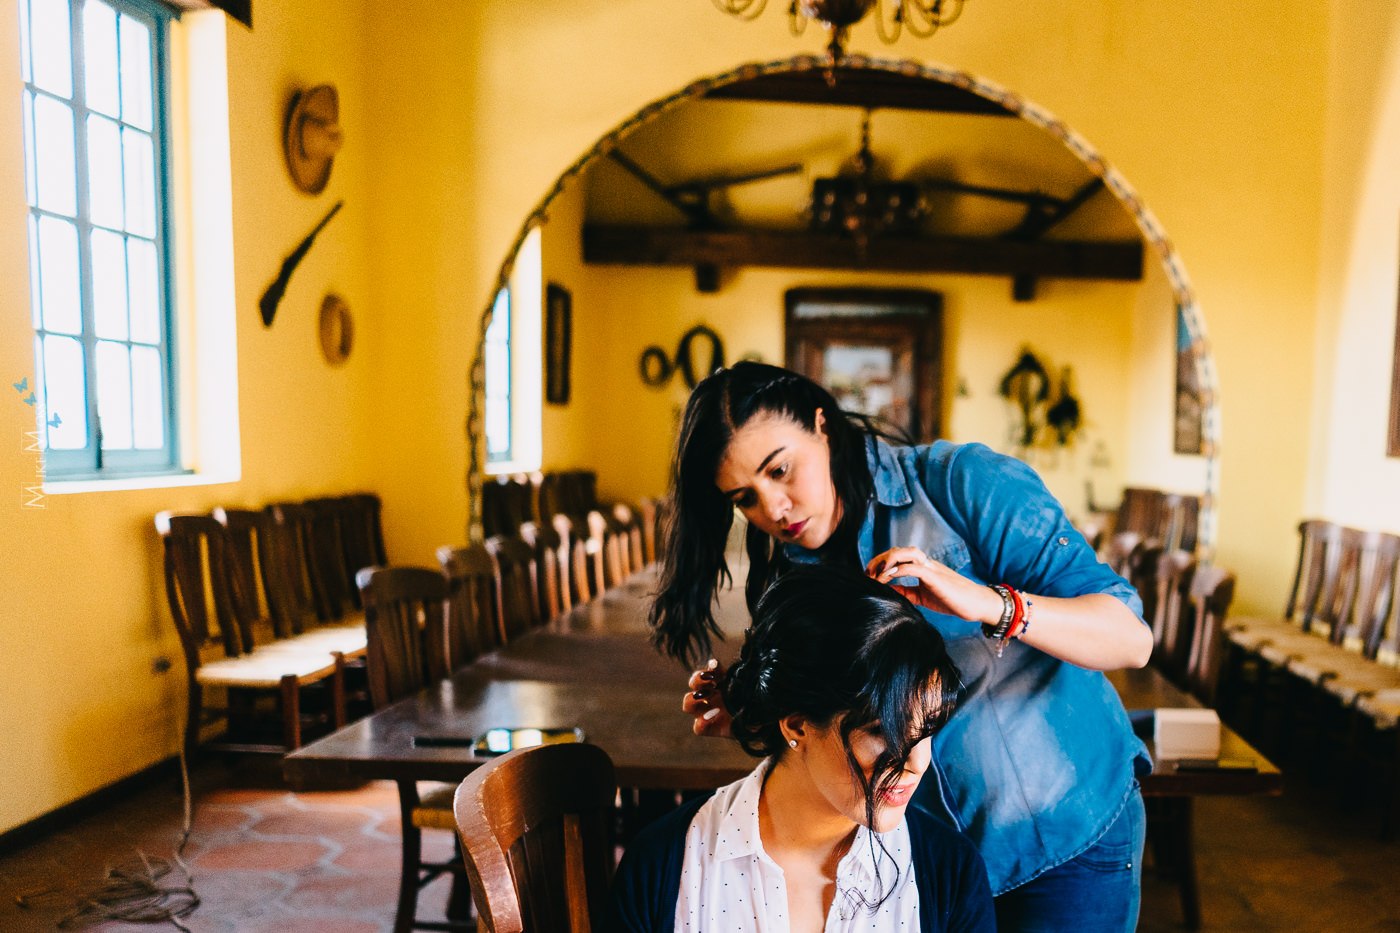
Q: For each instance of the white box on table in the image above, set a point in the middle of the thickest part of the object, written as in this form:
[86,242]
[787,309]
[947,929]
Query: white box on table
[1187,733]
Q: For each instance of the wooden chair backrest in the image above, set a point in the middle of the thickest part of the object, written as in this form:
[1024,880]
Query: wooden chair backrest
[608,556]
[650,515]
[1174,621]
[473,626]
[1180,514]
[1212,591]
[573,541]
[1122,550]
[198,585]
[256,600]
[1142,574]
[297,586]
[517,583]
[337,592]
[362,535]
[630,523]
[1141,511]
[1376,591]
[405,630]
[1318,569]
[551,564]
[534,826]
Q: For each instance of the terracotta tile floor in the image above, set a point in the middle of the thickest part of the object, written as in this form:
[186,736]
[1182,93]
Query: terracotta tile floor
[265,859]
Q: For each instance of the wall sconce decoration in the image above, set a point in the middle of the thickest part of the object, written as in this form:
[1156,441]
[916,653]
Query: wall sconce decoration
[313,137]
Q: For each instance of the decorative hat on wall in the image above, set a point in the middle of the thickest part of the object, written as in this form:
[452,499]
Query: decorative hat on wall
[313,137]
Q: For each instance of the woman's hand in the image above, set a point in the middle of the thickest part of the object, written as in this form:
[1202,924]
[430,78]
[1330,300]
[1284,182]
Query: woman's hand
[1095,630]
[705,703]
[940,589]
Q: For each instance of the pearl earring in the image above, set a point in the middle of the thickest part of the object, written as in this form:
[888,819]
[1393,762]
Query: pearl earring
[792,742]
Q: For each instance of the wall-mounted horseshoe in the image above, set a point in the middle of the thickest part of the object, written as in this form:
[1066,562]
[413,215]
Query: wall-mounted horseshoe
[686,363]
[657,369]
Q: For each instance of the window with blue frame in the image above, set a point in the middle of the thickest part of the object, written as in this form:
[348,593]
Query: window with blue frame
[500,447]
[95,93]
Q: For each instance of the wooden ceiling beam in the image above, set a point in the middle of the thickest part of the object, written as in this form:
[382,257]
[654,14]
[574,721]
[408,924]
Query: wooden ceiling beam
[860,87]
[1053,259]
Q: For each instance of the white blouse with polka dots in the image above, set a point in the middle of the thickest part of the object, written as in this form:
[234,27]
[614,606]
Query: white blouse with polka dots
[730,885]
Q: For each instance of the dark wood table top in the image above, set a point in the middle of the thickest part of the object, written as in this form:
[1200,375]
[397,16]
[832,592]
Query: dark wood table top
[595,669]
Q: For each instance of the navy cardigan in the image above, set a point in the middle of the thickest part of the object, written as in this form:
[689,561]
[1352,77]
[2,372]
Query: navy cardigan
[954,896]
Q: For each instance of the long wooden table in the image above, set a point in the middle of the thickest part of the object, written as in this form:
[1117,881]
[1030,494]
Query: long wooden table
[595,669]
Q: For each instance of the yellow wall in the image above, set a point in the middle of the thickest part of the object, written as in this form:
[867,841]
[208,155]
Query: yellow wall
[1351,478]
[1213,113]
[459,117]
[84,614]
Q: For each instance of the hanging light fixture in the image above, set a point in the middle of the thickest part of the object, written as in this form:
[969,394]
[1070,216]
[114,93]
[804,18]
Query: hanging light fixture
[921,17]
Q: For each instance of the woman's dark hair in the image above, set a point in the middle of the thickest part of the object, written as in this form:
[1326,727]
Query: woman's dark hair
[694,566]
[836,647]
[828,642]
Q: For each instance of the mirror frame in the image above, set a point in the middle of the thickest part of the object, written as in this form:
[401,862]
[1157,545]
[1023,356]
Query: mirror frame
[1152,231]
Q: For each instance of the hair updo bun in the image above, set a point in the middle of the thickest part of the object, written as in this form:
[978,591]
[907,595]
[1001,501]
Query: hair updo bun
[829,643]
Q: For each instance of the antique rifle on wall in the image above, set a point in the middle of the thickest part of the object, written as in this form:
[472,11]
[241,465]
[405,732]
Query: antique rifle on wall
[273,296]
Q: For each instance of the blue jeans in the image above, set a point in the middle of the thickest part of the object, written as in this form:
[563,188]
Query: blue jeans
[1095,892]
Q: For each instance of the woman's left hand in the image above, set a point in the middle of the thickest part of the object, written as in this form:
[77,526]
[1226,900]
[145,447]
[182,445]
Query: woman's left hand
[940,588]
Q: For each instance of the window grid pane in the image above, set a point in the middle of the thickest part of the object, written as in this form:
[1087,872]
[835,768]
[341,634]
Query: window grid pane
[64,391]
[59,272]
[104,172]
[25,74]
[114,394]
[31,184]
[138,163]
[143,275]
[51,46]
[147,401]
[113,354]
[100,77]
[109,285]
[136,73]
[496,358]
[56,178]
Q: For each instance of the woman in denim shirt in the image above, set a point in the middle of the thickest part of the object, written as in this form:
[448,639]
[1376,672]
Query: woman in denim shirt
[1039,765]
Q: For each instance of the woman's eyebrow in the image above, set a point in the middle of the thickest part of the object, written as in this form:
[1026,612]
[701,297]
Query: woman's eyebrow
[761,467]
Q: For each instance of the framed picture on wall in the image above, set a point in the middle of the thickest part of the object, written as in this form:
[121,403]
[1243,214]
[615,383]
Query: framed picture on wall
[878,351]
[1188,435]
[558,338]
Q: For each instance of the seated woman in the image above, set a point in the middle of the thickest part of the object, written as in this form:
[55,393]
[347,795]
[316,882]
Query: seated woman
[839,687]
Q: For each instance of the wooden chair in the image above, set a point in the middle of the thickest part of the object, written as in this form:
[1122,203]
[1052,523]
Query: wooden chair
[472,617]
[406,620]
[334,580]
[629,526]
[573,541]
[534,826]
[1212,591]
[652,531]
[1259,648]
[552,563]
[291,588]
[1173,621]
[1122,550]
[217,639]
[608,564]
[517,585]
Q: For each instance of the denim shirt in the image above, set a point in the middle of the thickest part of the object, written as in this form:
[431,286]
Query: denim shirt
[1040,756]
